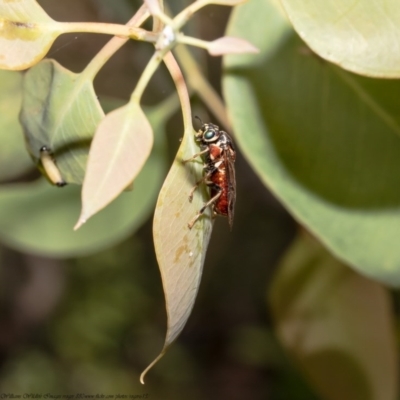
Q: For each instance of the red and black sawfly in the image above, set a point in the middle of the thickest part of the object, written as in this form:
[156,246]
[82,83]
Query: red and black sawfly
[219,155]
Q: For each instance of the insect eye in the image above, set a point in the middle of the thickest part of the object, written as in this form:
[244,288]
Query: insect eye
[208,135]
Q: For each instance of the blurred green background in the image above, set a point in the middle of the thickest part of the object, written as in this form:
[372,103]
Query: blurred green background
[91,324]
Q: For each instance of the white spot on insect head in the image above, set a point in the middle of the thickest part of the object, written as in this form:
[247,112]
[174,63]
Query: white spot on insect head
[191,254]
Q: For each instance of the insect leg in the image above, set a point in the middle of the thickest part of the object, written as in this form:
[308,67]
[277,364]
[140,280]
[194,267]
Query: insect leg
[196,155]
[204,179]
[194,188]
[208,204]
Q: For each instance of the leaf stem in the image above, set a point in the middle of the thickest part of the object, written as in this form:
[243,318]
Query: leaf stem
[113,45]
[109,29]
[181,88]
[188,12]
[192,41]
[158,22]
[201,86]
[147,74]
[199,83]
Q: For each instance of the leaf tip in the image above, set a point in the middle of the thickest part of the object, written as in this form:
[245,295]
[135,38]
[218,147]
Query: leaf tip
[231,45]
[143,374]
[80,222]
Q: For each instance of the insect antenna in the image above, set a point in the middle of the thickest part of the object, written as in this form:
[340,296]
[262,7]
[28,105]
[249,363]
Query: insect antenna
[201,122]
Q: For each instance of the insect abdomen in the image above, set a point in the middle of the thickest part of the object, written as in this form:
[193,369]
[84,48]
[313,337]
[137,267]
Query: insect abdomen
[219,179]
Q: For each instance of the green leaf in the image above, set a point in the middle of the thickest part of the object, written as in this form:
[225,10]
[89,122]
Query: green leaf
[14,159]
[60,110]
[26,33]
[39,218]
[361,36]
[327,142]
[120,148]
[336,324]
[180,251]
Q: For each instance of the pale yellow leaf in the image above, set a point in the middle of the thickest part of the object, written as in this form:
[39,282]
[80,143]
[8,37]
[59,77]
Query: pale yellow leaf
[26,33]
[180,251]
[231,45]
[120,148]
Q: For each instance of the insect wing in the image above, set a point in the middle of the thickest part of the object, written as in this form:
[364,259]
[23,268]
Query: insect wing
[229,160]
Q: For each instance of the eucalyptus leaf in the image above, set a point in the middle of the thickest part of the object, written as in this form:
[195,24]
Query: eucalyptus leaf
[121,146]
[336,324]
[27,32]
[39,218]
[325,141]
[60,110]
[180,251]
[361,36]
[14,159]
[26,35]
